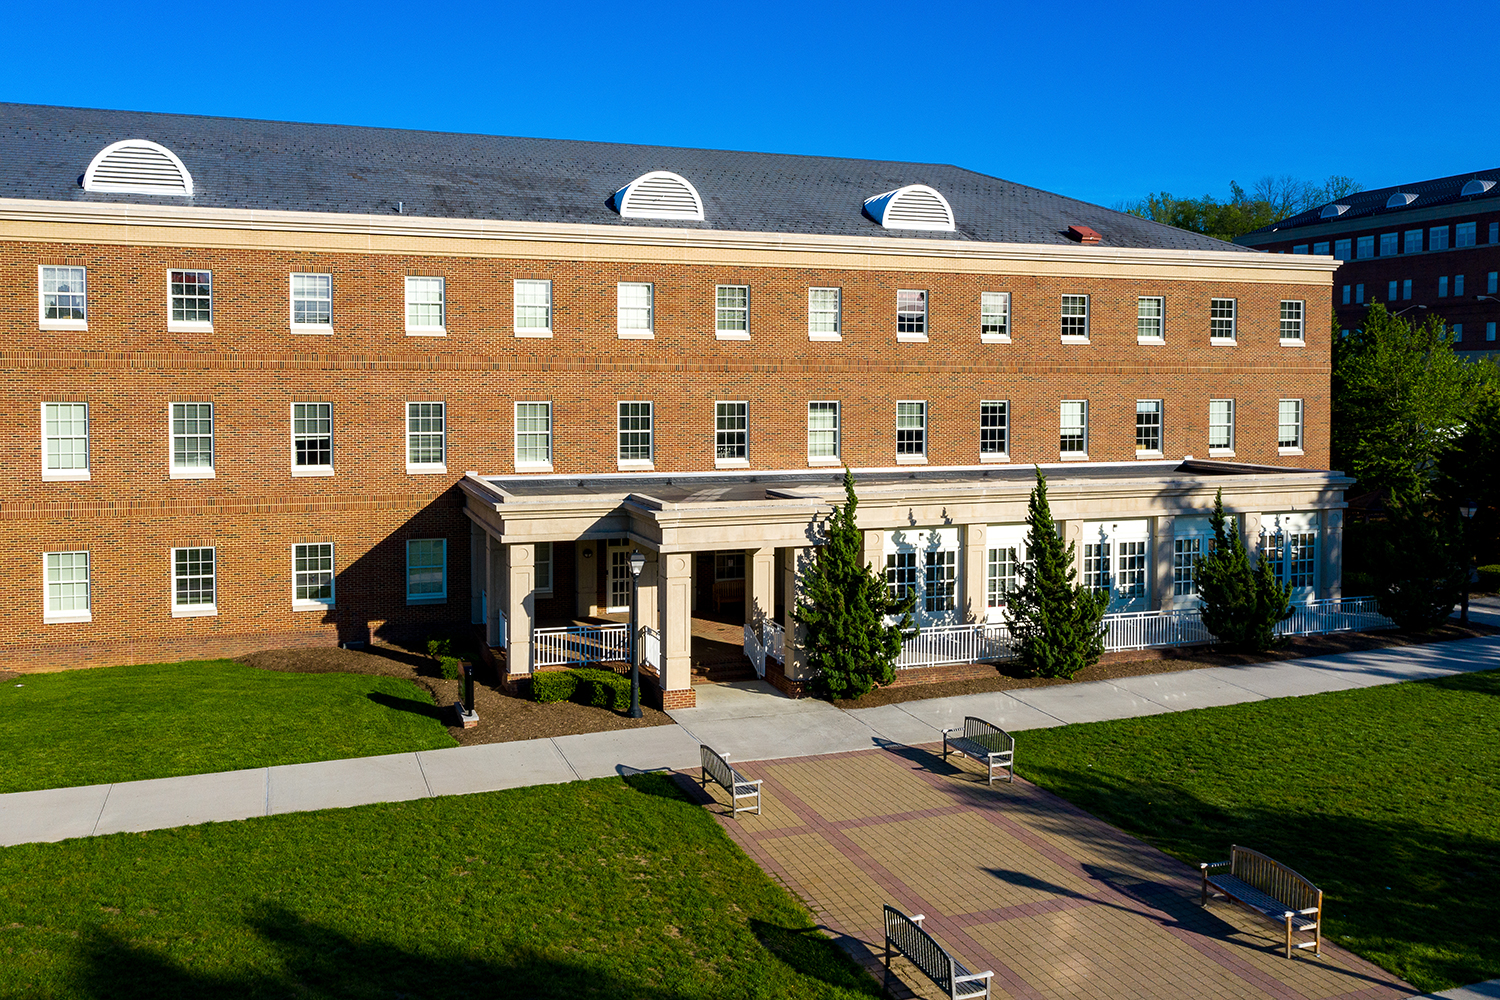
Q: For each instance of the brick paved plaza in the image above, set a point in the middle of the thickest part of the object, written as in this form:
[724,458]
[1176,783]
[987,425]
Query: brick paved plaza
[1014,879]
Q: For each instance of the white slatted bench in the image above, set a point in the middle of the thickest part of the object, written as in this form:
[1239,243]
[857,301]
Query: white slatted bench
[905,935]
[740,788]
[1270,888]
[988,744]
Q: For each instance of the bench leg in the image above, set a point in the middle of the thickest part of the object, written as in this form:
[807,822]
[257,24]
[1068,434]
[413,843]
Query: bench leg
[1204,900]
[1318,937]
[1288,935]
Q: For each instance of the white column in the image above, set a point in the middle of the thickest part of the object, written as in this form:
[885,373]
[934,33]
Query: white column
[1331,553]
[520,603]
[1163,537]
[494,586]
[675,597]
[971,599]
[874,552]
[586,576]
[760,592]
[478,573]
[648,587]
[795,657]
[1072,534]
[1251,528]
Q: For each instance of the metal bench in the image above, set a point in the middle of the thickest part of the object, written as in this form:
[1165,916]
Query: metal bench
[905,935]
[988,744]
[740,788]
[1270,888]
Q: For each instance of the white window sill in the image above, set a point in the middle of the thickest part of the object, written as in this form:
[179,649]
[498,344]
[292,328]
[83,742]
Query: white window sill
[1075,340]
[1294,343]
[1221,453]
[827,338]
[1148,455]
[1152,341]
[66,476]
[191,474]
[1073,456]
[824,460]
[311,471]
[180,327]
[312,606]
[543,593]
[1288,451]
[538,334]
[731,463]
[731,335]
[60,617]
[438,599]
[195,611]
[994,338]
[533,466]
[911,338]
[426,470]
[321,329]
[63,324]
[994,456]
[911,459]
[1222,342]
[426,331]
[637,335]
[636,466]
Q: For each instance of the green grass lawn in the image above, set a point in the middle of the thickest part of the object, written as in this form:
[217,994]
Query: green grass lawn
[591,889]
[84,727]
[1387,798]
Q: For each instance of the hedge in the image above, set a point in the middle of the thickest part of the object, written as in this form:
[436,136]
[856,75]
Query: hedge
[585,685]
[1489,577]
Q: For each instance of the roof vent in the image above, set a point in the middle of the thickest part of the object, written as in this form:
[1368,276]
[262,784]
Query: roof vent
[1476,186]
[660,194]
[1084,235]
[1333,211]
[1400,200]
[136,166]
[915,206]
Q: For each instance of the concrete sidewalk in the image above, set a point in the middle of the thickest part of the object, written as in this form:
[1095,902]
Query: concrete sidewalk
[748,720]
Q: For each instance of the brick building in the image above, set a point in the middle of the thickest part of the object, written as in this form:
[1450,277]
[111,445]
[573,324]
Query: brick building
[1431,248]
[273,384]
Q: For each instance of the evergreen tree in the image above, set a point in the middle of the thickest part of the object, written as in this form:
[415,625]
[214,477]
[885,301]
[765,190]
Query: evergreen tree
[845,609]
[1055,622]
[1419,570]
[1240,606]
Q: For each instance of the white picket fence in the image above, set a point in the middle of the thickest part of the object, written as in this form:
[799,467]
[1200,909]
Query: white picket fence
[651,647]
[762,641]
[946,644]
[574,646]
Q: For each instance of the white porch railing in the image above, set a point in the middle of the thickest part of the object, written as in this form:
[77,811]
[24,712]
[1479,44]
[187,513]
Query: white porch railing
[945,644]
[764,640]
[1145,629]
[650,648]
[1338,614]
[574,646]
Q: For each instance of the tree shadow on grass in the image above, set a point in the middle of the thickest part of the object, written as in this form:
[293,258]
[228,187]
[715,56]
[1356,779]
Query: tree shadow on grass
[814,954]
[412,705]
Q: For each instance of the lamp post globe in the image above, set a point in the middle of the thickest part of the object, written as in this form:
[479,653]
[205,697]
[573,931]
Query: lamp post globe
[637,563]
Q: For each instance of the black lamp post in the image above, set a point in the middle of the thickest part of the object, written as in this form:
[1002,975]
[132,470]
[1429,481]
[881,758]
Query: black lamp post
[637,563]
[1468,509]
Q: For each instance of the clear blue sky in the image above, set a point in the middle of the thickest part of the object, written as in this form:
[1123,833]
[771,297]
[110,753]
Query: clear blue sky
[1101,101]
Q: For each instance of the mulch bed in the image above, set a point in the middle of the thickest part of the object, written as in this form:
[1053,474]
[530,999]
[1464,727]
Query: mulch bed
[503,718]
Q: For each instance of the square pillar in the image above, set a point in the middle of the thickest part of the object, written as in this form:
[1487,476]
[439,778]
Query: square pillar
[586,576]
[494,588]
[971,595]
[1250,528]
[874,552]
[1072,534]
[795,658]
[520,604]
[478,573]
[1163,539]
[675,602]
[1331,553]
[760,589]
[649,590]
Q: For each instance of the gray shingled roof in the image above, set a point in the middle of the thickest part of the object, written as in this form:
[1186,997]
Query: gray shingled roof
[1439,191]
[241,163]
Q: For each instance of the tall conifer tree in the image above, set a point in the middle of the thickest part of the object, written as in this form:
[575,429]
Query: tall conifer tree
[1240,606]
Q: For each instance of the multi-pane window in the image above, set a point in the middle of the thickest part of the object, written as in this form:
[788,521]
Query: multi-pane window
[1130,578]
[633,307]
[1273,551]
[729,565]
[1096,566]
[1458,284]
[1321,249]
[1185,555]
[1289,423]
[1150,313]
[1390,292]
[911,428]
[192,437]
[312,574]
[1364,246]
[1148,426]
[193,591]
[1437,238]
[533,434]
[1464,234]
[1359,292]
[822,430]
[63,298]
[192,297]
[1443,287]
[533,308]
[1001,577]
[994,428]
[1291,320]
[941,580]
[1457,332]
[1493,283]
[1302,551]
[1221,319]
[312,301]
[732,312]
[1075,317]
[901,574]
[1347,290]
[1300,248]
[426,436]
[1387,244]
[1411,241]
[994,316]
[635,433]
[1220,425]
[1341,249]
[67,581]
[312,437]
[911,313]
[731,432]
[426,569]
[544,567]
[1406,288]
[824,315]
[426,305]
[65,440]
[1073,429]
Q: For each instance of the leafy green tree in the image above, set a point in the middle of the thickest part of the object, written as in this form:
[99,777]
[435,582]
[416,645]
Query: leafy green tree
[1274,199]
[1241,606]
[846,610]
[1057,623]
[1470,470]
[1420,567]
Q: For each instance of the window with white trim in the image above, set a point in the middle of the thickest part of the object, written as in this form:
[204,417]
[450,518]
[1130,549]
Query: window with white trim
[1002,576]
[1300,248]
[1411,241]
[940,583]
[1273,551]
[911,314]
[1387,244]
[1073,428]
[911,429]
[1457,332]
[732,312]
[994,429]
[1406,288]
[1458,284]
[1321,249]
[634,307]
[1291,320]
[635,434]
[312,438]
[994,317]
[192,440]
[1390,291]
[1437,238]
[191,301]
[1148,427]
[543,584]
[426,570]
[1443,287]
[1075,317]
[1301,558]
[1347,290]
[1221,320]
[532,308]
[1130,571]
[823,432]
[1096,566]
[1493,285]
[426,437]
[62,298]
[426,305]
[1359,293]
[824,314]
[1150,318]
[1341,249]
[312,575]
[193,583]
[1364,246]
[1464,234]
[901,575]
[66,579]
[1289,425]
[1220,425]
[1185,555]
[731,432]
[312,303]
[65,441]
[534,435]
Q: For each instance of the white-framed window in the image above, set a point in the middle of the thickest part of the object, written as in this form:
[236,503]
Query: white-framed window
[1489,330]
[1437,238]
[534,436]
[911,314]
[1300,248]
[1390,291]
[312,439]
[1185,555]
[994,430]
[731,433]
[1359,293]
[1387,244]
[532,308]
[1291,321]
[68,593]
[940,581]
[823,433]
[312,303]
[994,317]
[1148,427]
[635,435]
[1075,318]
[1493,283]
[192,443]
[1073,428]
[426,306]
[1494,233]
[312,576]
[62,298]
[190,301]
[1406,288]
[911,430]
[1321,249]
[635,309]
[1221,320]
[1150,319]
[1364,246]
[1341,249]
[1096,566]
[901,574]
[1221,426]
[1289,426]
[65,442]
[426,437]
[543,582]
[732,312]
[426,570]
[1301,559]
[1002,576]
[1348,289]
[1458,284]
[1411,241]
[1464,234]
[1458,332]
[194,583]
[1130,571]
[1443,287]
[825,320]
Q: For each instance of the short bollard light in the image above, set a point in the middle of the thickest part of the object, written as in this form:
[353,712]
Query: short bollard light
[467,717]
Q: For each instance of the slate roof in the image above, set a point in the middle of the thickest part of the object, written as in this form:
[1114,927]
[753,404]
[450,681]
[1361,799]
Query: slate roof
[1441,191]
[247,164]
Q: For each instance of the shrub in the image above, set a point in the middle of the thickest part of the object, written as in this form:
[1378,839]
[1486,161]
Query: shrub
[451,667]
[437,648]
[1421,575]
[1489,578]
[555,685]
[584,685]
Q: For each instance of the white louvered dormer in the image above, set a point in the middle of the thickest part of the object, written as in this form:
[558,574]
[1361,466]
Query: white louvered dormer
[1476,186]
[915,206]
[137,166]
[1333,211]
[660,194]
[1400,199]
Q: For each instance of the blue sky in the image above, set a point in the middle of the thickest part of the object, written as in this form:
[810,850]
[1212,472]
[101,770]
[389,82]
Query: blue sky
[1101,101]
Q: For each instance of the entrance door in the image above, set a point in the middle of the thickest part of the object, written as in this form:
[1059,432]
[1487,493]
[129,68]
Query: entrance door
[619,574]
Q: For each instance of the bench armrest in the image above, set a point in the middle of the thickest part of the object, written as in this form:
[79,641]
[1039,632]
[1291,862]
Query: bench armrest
[1307,912]
[954,729]
[972,977]
[1206,865]
[746,781]
[917,918]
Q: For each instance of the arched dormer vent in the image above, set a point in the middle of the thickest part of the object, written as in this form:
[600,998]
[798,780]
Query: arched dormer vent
[915,206]
[1476,186]
[1400,199]
[136,166]
[1333,211]
[660,194]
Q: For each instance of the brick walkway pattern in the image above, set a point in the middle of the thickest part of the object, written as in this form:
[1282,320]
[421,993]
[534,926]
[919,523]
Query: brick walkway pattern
[1014,879]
